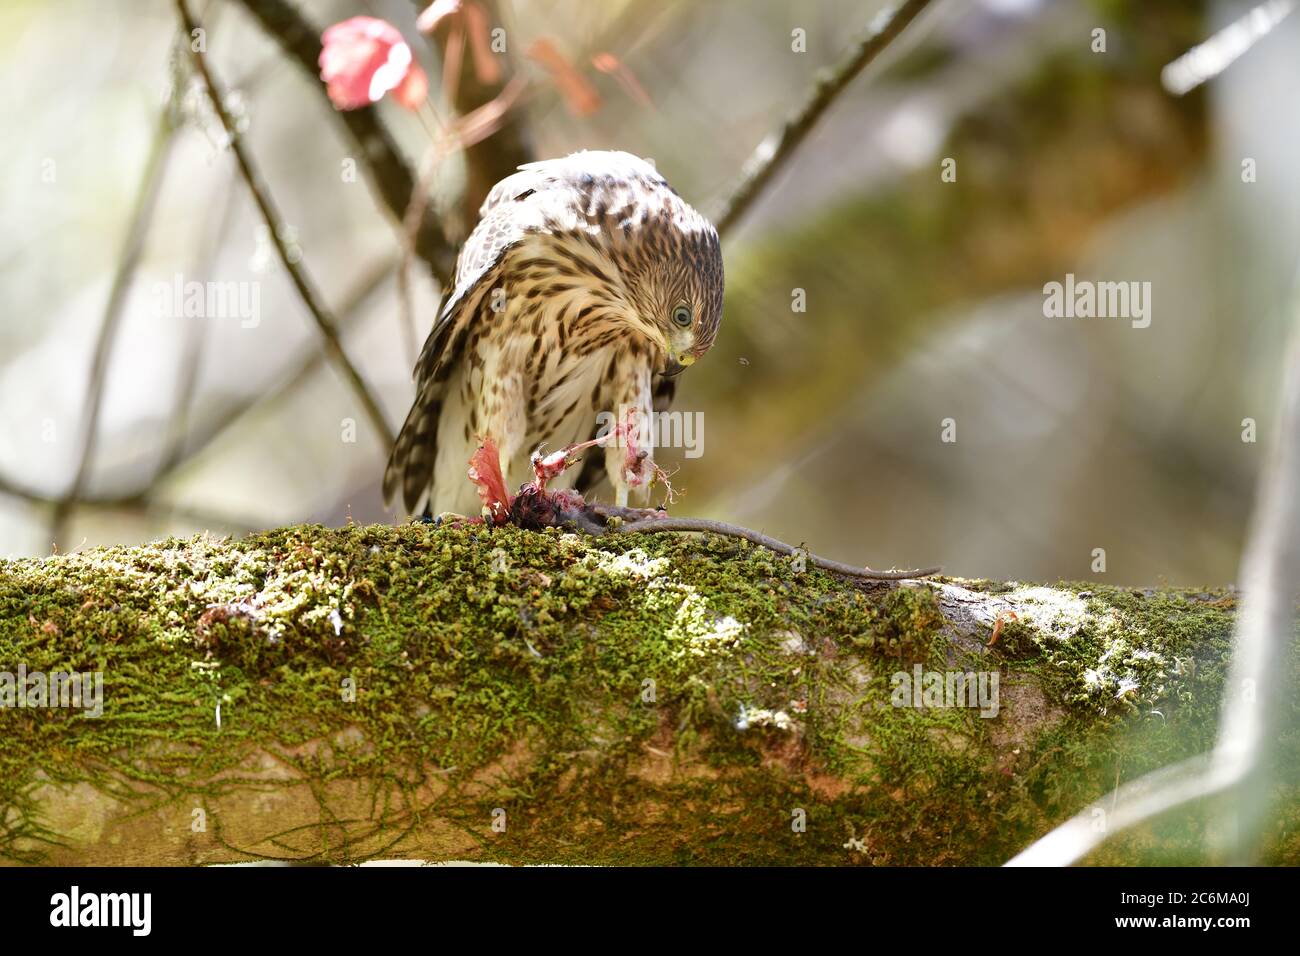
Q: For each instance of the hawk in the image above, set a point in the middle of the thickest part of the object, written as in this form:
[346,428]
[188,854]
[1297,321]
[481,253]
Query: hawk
[587,285]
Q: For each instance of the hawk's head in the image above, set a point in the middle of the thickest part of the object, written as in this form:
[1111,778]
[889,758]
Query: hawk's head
[682,296]
[668,255]
[672,260]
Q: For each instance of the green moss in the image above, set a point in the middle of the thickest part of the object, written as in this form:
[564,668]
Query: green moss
[1138,678]
[634,699]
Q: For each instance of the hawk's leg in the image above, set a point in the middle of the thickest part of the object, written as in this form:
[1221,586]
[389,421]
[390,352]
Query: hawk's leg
[620,495]
[628,461]
[504,421]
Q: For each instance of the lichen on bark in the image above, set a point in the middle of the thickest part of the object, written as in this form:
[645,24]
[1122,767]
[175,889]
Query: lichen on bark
[501,695]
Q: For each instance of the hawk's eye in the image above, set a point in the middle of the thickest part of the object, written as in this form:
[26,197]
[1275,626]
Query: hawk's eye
[682,316]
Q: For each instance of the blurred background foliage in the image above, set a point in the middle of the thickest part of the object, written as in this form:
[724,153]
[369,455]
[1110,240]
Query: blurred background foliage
[924,298]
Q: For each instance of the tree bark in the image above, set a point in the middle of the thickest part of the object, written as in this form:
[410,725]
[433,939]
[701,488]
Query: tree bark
[428,693]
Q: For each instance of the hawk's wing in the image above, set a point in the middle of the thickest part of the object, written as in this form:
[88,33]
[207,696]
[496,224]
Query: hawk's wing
[412,461]
[539,197]
[517,206]
[506,219]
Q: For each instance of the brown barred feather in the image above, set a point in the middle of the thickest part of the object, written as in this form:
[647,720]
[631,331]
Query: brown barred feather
[591,255]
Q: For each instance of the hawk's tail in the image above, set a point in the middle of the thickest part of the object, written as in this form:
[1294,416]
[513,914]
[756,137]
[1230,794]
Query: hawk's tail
[411,463]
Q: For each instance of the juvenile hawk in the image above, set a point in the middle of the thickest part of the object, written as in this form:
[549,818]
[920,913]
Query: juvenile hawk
[586,286]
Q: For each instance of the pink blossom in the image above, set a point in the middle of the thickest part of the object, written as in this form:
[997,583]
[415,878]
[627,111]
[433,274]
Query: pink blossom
[363,58]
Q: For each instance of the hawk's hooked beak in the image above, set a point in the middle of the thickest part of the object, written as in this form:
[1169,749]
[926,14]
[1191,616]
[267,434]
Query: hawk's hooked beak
[675,366]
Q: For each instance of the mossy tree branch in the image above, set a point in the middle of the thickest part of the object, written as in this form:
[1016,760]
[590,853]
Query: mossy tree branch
[367,692]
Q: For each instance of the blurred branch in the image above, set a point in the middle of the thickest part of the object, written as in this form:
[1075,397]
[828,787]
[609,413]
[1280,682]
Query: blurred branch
[195,335]
[1270,581]
[306,290]
[410,221]
[1255,692]
[376,150]
[140,220]
[136,504]
[468,131]
[490,159]
[633,25]
[1212,56]
[141,216]
[200,438]
[777,148]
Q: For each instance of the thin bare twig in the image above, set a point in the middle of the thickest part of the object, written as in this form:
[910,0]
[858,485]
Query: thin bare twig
[487,160]
[195,336]
[636,23]
[410,224]
[306,289]
[465,133]
[200,438]
[141,216]
[376,150]
[772,544]
[777,148]
[1270,581]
